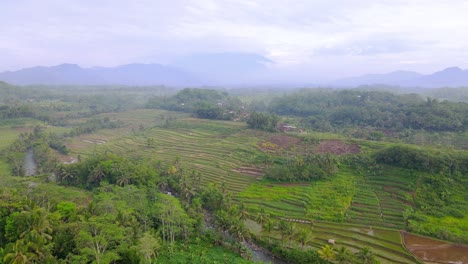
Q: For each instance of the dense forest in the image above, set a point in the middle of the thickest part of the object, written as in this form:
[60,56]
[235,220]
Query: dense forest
[324,109]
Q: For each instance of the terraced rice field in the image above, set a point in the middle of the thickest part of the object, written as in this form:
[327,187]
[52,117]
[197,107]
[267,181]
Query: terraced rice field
[217,149]
[382,199]
[385,243]
[226,152]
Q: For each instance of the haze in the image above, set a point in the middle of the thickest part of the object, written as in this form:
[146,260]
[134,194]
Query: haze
[310,41]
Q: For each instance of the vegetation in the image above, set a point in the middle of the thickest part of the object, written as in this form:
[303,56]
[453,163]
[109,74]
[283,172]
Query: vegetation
[125,179]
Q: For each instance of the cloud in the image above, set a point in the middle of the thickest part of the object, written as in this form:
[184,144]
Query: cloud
[297,33]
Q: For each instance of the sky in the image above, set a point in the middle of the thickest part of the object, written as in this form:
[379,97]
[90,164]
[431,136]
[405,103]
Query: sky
[304,38]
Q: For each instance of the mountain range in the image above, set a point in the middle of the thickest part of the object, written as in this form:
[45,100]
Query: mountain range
[449,77]
[213,69]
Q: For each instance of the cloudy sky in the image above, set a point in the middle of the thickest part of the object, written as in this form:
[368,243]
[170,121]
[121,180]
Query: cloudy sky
[311,38]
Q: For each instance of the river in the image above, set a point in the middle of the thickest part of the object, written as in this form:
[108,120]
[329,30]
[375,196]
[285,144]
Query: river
[29,164]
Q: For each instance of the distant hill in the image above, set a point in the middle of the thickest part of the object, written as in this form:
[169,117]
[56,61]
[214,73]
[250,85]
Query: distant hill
[392,78]
[193,70]
[450,77]
[72,74]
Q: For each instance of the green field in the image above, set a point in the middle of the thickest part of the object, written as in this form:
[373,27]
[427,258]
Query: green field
[218,149]
[353,207]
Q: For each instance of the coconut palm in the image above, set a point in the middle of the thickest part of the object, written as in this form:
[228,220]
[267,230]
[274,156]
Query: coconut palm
[262,217]
[303,236]
[19,254]
[344,256]
[268,226]
[327,253]
[365,256]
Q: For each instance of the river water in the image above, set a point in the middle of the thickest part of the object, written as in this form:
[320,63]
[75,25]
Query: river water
[29,164]
[261,255]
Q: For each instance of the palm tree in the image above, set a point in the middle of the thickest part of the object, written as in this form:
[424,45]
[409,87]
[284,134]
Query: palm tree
[365,256]
[97,174]
[243,213]
[327,253]
[262,217]
[19,255]
[283,227]
[222,220]
[344,256]
[239,231]
[303,237]
[268,226]
[291,232]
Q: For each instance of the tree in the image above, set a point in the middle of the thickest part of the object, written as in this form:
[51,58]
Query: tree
[243,212]
[149,247]
[303,237]
[239,231]
[365,256]
[344,256]
[327,253]
[19,254]
[174,220]
[31,232]
[262,217]
[268,226]
[283,227]
[98,239]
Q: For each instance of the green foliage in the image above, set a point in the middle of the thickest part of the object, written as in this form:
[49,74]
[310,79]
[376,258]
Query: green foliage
[323,109]
[262,121]
[204,103]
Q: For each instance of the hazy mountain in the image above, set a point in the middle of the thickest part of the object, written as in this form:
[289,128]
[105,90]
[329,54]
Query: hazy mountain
[450,77]
[71,74]
[192,70]
[60,74]
[392,78]
[240,69]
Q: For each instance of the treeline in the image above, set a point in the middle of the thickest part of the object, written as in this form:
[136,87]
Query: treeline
[419,160]
[92,125]
[324,109]
[304,168]
[203,103]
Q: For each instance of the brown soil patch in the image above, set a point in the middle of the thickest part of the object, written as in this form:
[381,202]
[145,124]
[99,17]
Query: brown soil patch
[281,142]
[362,205]
[336,147]
[292,184]
[251,171]
[431,250]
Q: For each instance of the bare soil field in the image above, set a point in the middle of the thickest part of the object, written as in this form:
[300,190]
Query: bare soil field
[435,251]
[336,147]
